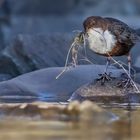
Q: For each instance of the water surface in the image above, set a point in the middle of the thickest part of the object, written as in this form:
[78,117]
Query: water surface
[36,128]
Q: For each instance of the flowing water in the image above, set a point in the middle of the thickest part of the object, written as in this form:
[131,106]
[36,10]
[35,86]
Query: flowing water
[35,128]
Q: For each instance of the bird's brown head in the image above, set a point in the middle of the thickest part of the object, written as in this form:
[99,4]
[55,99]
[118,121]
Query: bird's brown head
[93,22]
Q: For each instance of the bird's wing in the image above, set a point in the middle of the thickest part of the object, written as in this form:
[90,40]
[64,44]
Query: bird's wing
[123,33]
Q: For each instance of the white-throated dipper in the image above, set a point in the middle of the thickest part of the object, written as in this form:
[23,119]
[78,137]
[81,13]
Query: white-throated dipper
[110,37]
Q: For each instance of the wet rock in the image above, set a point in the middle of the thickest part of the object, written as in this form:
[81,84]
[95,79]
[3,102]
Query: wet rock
[43,85]
[107,93]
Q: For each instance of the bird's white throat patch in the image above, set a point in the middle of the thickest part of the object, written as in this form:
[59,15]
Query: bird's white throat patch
[99,41]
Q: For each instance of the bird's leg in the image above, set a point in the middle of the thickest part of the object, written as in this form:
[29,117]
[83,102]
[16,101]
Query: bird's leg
[105,77]
[107,64]
[127,81]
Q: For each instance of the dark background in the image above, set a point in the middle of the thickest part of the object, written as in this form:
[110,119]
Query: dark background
[28,30]
[44,16]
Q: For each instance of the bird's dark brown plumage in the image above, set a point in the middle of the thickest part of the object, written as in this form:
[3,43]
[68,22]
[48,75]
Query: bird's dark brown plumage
[126,37]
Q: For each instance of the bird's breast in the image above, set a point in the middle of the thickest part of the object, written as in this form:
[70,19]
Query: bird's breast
[101,42]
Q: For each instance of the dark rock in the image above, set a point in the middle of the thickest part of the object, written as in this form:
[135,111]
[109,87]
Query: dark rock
[43,85]
[35,52]
[7,66]
[107,93]
[138,31]
[5,77]
[8,69]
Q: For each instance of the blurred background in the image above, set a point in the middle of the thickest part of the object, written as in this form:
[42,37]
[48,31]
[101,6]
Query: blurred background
[44,16]
[19,18]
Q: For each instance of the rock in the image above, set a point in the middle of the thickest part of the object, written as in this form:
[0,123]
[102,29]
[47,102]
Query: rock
[43,85]
[5,77]
[7,66]
[107,93]
[138,31]
[8,69]
[36,52]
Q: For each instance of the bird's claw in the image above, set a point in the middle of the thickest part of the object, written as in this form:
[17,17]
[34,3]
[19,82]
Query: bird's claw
[126,82]
[104,77]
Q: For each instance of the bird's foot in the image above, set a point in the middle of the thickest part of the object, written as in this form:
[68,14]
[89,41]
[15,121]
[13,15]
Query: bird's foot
[73,65]
[104,77]
[126,82]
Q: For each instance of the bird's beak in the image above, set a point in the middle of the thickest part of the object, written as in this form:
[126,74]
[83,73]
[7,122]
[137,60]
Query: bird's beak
[86,32]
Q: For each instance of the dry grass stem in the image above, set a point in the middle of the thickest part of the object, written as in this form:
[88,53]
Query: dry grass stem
[119,64]
[77,43]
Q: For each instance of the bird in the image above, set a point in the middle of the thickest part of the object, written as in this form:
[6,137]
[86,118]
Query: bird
[110,37]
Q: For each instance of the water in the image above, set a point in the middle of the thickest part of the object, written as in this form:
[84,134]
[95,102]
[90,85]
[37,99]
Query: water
[35,127]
